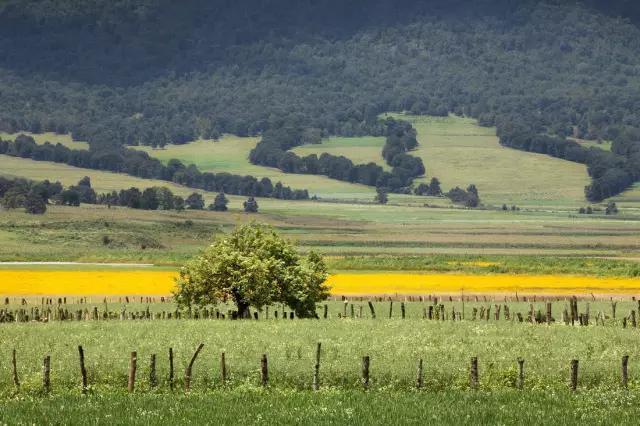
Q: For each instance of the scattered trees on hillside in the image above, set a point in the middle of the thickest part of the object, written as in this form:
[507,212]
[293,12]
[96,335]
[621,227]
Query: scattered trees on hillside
[195,201]
[23,193]
[468,198]
[251,205]
[253,267]
[381,196]
[432,189]
[219,203]
[140,164]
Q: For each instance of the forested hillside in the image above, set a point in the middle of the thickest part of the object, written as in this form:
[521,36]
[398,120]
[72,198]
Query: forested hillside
[158,71]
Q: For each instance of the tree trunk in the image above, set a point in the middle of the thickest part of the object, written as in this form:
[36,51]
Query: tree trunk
[243,309]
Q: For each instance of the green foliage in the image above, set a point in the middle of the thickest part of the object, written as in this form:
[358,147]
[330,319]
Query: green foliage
[253,266]
[219,203]
[195,201]
[381,196]
[251,205]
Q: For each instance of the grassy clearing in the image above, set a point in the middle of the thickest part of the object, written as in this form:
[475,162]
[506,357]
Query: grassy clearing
[360,150]
[395,345]
[256,406]
[459,152]
[53,138]
[231,154]
[603,145]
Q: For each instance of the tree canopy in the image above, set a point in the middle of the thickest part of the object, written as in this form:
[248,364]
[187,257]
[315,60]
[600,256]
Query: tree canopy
[253,267]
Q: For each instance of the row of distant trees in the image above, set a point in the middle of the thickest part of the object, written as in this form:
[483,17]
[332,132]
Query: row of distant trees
[274,151]
[140,164]
[35,196]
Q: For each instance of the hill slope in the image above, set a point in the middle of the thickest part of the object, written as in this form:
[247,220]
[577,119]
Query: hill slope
[538,70]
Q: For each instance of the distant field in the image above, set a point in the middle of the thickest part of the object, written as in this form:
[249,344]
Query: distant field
[169,237]
[231,154]
[101,181]
[459,152]
[360,150]
[54,138]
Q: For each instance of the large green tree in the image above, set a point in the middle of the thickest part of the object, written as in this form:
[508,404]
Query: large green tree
[253,267]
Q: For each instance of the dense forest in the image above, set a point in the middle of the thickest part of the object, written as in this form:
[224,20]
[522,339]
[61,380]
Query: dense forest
[154,72]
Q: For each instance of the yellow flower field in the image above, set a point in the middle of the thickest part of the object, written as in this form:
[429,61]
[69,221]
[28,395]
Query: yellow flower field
[160,282]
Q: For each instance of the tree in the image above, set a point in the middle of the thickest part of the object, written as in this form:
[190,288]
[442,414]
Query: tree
[251,205]
[178,203]
[14,197]
[34,203]
[611,208]
[381,196]
[69,197]
[434,188]
[219,203]
[254,267]
[195,201]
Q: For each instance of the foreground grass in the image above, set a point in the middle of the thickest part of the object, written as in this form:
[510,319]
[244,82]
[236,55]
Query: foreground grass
[257,406]
[394,345]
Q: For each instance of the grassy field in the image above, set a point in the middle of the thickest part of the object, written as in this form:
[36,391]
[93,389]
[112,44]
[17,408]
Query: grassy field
[459,152]
[53,138]
[169,237]
[248,406]
[231,154]
[394,344]
[360,150]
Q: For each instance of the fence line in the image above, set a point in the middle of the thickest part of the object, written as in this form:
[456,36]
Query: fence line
[365,379]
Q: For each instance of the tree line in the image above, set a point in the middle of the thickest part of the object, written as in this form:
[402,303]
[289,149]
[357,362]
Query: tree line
[34,197]
[273,151]
[140,164]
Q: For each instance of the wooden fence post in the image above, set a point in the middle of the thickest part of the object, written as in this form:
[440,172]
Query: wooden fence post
[187,373]
[474,373]
[402,309]
[14,366]
[520,373]
[171,368]
[133,362]
[326,311]
[316,369]
[264,370]
[419,380]
[625,371]
[223,369]
[390,308]
[83,370]
[373,311]
[574,374]
[153,378]
[46,373]
[365,371]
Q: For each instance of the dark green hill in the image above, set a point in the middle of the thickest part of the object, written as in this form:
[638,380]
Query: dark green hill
[157,71]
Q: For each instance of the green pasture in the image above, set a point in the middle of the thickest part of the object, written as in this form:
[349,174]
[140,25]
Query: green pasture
[231,154]
[360,150]
[51,137]
[459,152]
[257,406]
[394,344]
